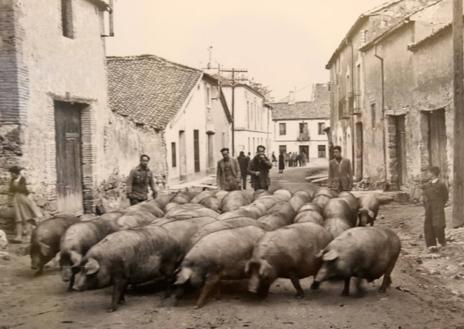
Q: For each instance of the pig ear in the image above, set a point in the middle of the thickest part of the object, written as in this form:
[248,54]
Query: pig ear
[330,255]
[75,258]
[265,269]
[370,213]
[320,254]
[32,221]
[44,249]
[183,276]
[91,267]
[249,265]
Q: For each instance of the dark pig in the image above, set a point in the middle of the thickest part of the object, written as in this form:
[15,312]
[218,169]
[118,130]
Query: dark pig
[298,200]
[212,203]
[322,197]
[205,266]
[234,200]
[148,206]
[368,209]
[361,252]
[128,257]
[339,217]
[79,238]
[309,217]
[290,252]
[352,201]
[45,240]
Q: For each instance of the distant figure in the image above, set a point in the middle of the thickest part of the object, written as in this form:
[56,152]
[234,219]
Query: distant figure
[435,197]
[138,181]
[304,158]
[25,209]
[259,170]
[274,159]
[281,162]
[228,172]
[243,162]
[340,173]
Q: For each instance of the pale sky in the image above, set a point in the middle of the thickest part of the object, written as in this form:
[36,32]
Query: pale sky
[283,44]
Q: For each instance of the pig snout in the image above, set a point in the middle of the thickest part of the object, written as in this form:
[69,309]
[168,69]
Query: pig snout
[66,273]
[253,283]
[80,282]
[322,274]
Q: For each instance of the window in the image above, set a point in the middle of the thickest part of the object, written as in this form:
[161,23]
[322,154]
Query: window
[365,36]
[373,114]
[196,149]
[67,18]
[303,127]
[320,128]
[282,148]
[321,151]
[173,155]
[282,129]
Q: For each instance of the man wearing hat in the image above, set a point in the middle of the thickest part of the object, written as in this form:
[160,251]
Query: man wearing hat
[140,178]
[259,170]
[228,172]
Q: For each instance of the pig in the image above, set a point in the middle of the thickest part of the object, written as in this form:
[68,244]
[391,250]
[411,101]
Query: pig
[261,193]
[3,240]
[298,200]
[289,252]
[220,195]
[212,203]
[234,200]
[147,206]
[310,207]
[79,238]
[252,211]
[133,218]
[279,215]
[361,252]
[283,195]
[205,266]
[163,199]
[338,216]
[352,201]
[312,190]
[128,257]
[309,217]
[322,197]
[190,210]
[266,201]
[183,197]
[45,240]
[368,209]
[201,196]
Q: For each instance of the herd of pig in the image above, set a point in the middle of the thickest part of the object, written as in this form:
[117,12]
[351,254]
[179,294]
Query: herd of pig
[194,240]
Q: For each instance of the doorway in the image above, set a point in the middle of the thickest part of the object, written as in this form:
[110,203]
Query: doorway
[437,141]
[400,140]
[68,141]
[305,149]
[182,156]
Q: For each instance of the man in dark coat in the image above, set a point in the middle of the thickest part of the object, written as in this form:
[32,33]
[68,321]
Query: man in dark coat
[243,161]
[281,162]
[228,172]
[138,181]
[259,168]
[435,197]
[340,173]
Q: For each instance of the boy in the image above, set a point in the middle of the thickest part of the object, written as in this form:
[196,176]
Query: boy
[435,197]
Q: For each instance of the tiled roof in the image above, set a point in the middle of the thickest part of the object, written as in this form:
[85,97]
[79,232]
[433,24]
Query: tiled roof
[149,89]
[300,110]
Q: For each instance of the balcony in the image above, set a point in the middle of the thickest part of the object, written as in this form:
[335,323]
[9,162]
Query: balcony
[356,104]
[304,137]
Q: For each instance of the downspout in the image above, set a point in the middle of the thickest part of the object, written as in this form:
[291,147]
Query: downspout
[352,114]
[382,104]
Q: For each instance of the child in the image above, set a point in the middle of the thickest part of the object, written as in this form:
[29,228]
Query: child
[435,197]
[25,208]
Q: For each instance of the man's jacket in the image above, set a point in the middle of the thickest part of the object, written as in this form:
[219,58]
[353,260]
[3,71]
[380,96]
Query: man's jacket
[340,175]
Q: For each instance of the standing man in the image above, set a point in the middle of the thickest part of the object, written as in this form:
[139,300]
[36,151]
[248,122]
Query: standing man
[259,170]
[138,181]
[243,161]
[340,173]
[228,172]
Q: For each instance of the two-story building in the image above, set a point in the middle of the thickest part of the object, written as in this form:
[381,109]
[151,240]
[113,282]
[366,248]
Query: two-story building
[252,117]
[53,99]
[176,114]
[300,126]
[349,102]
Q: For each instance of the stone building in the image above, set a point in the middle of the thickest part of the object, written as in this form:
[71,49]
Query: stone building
[348,75]
[174,113]
[300,126]
[53,99]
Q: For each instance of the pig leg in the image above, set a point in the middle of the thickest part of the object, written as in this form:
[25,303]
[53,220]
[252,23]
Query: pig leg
[71,282]
[119,289]
[315,285]
[346,288]
[296,284]
[386,277]
[211,282]
[359,288]
[263,290]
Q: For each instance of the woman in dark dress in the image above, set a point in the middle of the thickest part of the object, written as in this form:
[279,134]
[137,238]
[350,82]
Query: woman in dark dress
[281,162]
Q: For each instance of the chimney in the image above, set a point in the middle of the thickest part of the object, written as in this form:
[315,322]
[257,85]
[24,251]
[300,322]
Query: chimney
[291,97]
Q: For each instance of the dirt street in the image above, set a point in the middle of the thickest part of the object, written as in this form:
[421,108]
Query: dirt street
[427,292]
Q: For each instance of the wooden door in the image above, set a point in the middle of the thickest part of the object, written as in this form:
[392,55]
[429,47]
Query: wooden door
[358,164]
[68,157]
[305,149]
[437,141]
[401,149]
[196,150]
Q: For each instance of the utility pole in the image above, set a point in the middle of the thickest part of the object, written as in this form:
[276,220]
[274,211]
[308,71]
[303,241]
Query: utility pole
[234,80]
[458,159]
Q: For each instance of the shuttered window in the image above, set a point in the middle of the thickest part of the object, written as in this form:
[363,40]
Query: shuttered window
[67,18]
